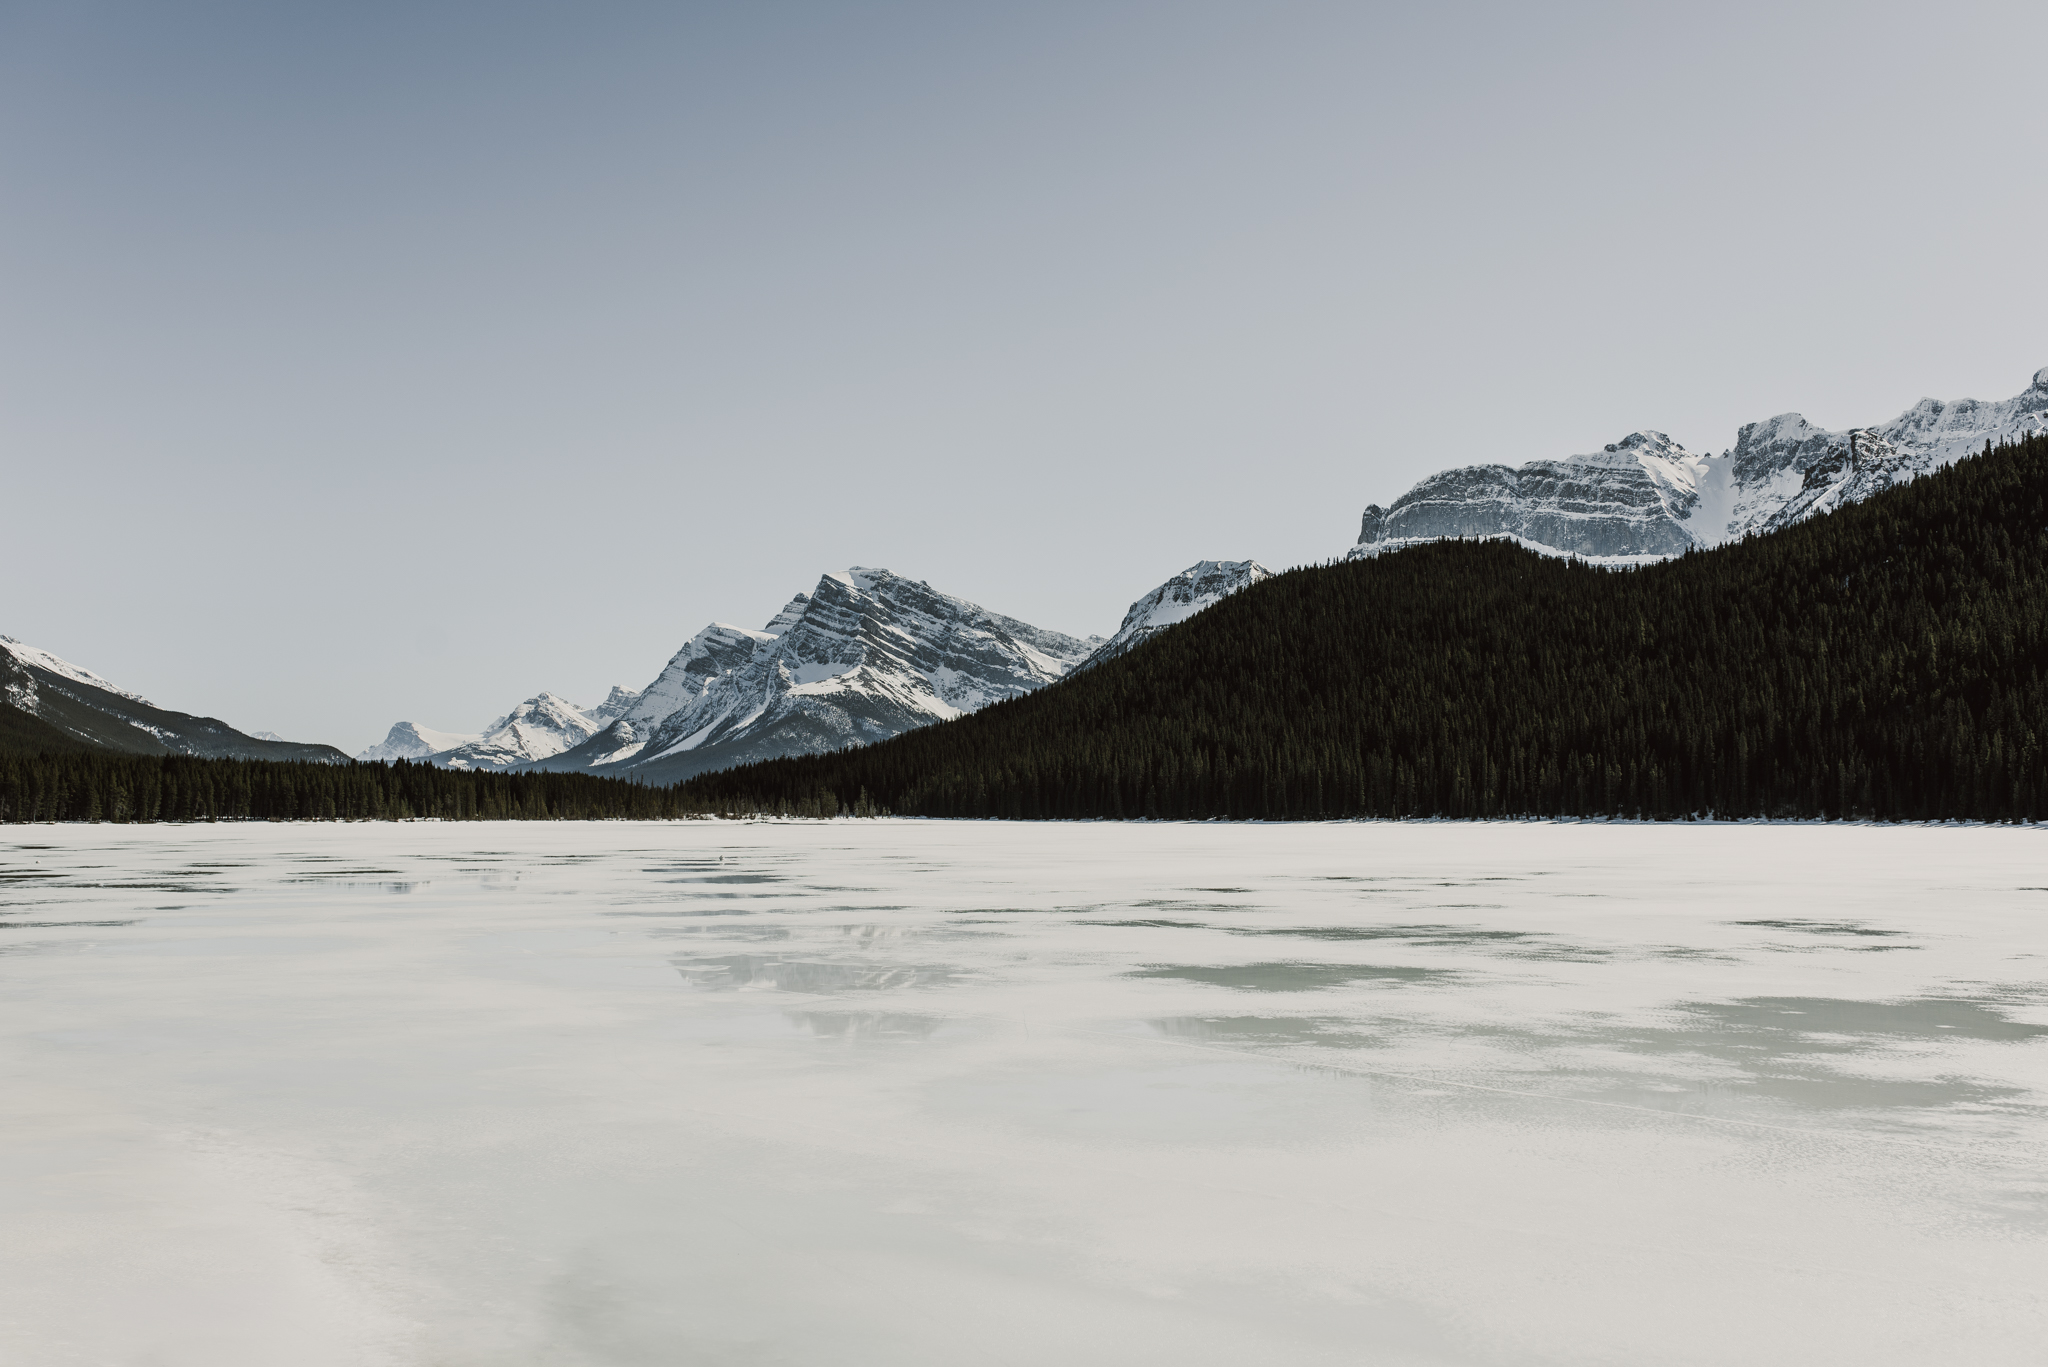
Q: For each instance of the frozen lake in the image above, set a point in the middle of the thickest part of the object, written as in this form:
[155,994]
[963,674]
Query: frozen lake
[921,1093]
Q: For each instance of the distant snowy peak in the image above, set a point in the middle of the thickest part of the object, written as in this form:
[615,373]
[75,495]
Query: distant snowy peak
[543,725]
[1646,498]
[866,655]
[1200,586]
[615,705]
[43,659]
[408,740]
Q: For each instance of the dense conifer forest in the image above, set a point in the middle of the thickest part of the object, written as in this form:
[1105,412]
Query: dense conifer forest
[107,786]
[1889,660]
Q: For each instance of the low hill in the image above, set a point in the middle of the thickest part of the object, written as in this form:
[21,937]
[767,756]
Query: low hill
[1887,660]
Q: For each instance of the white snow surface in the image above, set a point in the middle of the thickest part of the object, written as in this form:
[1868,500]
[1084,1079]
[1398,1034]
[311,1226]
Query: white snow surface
[913,1094]
[1195,589]
[1646,498]
[43,659]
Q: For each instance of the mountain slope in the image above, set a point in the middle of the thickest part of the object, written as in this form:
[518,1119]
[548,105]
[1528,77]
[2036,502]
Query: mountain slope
[88,710]
[1646,498]
[866,655]
[1889,659]
[1200,586]
[23,733]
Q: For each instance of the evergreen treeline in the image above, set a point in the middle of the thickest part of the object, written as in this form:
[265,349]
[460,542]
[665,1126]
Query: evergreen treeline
[104,786]
[1889,660]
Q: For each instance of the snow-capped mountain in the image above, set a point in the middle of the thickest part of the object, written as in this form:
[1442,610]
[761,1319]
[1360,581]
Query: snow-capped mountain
[81,708]
[864,656]
[541,726]
[1201,585]
[616,704]
[33,658]
[408,740]
[1646,497]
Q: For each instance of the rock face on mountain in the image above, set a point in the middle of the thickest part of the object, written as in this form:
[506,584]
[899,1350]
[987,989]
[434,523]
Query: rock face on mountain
[86,709]
[864,656]
[616,704]
[1201,585]
[1645,497]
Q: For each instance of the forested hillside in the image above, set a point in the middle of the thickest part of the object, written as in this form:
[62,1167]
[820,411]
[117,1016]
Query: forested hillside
[1889,660]
[23,734]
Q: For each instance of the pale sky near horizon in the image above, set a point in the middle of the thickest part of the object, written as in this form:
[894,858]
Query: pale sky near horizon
[374,362]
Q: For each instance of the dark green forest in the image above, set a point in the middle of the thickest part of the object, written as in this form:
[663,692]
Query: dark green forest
[1889,660]
[106,786]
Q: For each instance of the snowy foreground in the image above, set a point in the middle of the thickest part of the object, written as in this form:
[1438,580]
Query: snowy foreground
[928,1093]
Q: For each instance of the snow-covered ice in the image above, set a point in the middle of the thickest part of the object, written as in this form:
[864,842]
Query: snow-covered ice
[886,1092]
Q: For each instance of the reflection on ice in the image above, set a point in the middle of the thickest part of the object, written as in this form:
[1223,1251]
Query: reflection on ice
[1822,927]
[799,975]
[1291,977]
[1428,935]
[868,1025]
[1864,1024]
[1336,1030]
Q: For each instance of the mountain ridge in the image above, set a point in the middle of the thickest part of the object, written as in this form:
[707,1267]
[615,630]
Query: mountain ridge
[57,696]
[1646,498]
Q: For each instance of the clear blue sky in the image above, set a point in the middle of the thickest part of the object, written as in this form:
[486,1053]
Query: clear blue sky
[365,362]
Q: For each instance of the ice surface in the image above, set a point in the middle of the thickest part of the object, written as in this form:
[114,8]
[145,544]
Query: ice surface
[940,1093]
